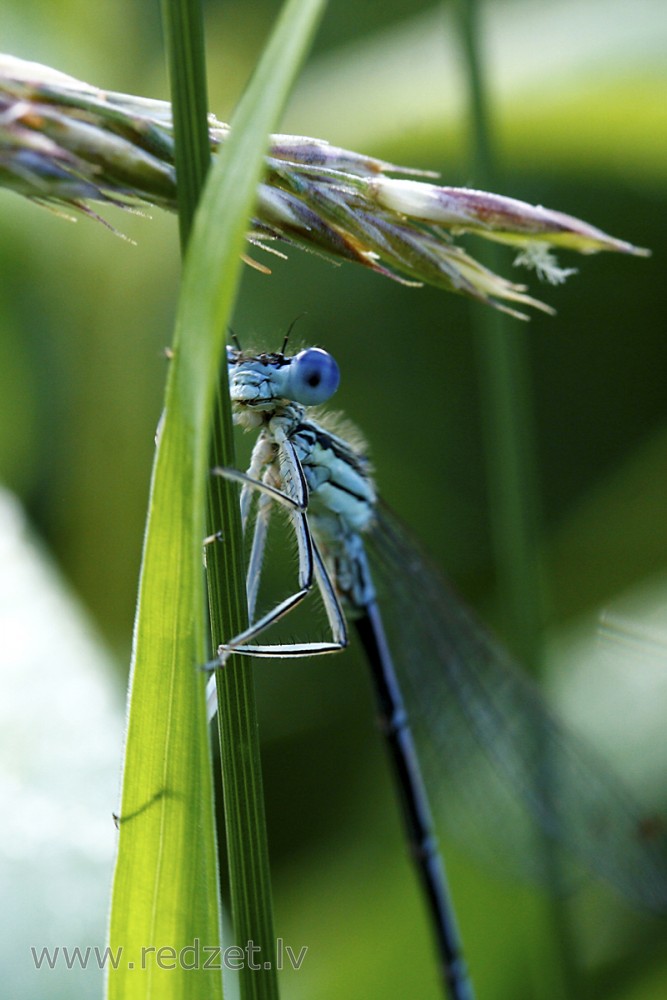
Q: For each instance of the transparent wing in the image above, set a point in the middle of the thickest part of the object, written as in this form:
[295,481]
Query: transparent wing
[497,764]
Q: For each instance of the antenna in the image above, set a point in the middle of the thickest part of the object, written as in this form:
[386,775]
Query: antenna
[289,330]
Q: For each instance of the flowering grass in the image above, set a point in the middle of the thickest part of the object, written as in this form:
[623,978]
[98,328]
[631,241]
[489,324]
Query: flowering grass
[68,145]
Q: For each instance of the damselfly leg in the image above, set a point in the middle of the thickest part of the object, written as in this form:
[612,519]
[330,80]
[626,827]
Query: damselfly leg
[311,569]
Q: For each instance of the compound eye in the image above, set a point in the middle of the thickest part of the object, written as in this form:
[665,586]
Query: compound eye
[312,378]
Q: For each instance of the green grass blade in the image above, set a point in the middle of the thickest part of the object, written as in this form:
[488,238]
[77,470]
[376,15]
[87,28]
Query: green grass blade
[165,886]
[166,871]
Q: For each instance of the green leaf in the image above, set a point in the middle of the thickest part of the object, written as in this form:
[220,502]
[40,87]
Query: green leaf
[165,886]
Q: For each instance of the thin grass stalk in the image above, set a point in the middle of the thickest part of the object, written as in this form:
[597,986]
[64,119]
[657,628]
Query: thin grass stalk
[506,403]
[245,824]
[508,420]
[184,31]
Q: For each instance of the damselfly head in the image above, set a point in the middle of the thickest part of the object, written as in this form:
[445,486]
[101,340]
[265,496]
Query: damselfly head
[265,381]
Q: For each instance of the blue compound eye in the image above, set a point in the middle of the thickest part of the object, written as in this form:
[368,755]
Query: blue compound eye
[312,378]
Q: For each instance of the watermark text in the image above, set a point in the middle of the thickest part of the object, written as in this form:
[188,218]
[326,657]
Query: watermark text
[234,958]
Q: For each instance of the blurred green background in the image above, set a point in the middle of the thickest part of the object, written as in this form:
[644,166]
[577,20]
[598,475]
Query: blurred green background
[580,121]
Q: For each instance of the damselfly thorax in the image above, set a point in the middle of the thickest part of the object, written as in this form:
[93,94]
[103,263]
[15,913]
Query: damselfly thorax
[339,488]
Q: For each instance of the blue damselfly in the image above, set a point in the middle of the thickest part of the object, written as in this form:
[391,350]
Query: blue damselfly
[463,708]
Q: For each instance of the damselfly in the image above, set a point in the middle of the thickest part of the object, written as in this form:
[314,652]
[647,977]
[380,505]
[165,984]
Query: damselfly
[463,708]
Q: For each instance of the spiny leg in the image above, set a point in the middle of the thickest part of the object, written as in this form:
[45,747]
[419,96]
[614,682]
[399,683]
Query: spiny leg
[292,476]
[311,566]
